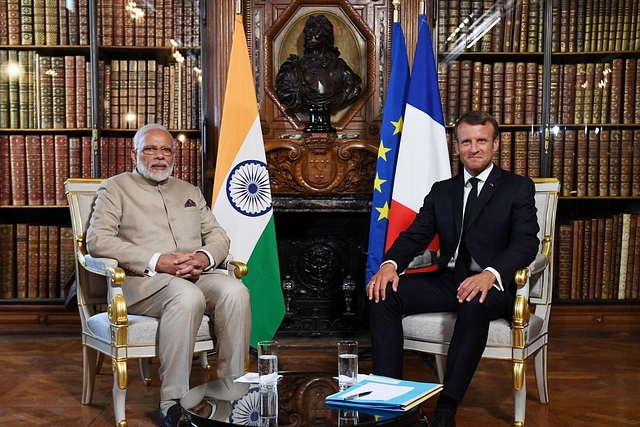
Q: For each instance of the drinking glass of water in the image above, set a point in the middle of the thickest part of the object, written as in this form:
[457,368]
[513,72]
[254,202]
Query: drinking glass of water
[268,363]
[347,363]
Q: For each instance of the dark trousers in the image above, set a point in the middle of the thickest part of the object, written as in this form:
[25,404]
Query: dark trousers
[427,293]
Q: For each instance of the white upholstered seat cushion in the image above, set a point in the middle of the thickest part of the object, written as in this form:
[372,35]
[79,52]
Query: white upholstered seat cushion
[142,330]
[438,327]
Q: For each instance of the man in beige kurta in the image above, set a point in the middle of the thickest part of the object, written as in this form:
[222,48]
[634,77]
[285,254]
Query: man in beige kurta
[162,232]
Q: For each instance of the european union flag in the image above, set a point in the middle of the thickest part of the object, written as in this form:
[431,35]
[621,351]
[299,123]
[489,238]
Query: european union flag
[392,120]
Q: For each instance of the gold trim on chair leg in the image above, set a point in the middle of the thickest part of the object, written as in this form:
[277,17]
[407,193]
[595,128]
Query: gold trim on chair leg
[518,424]
[518,374]
[120,367]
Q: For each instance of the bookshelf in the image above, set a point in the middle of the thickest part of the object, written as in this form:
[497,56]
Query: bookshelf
[568,102]
[75,85]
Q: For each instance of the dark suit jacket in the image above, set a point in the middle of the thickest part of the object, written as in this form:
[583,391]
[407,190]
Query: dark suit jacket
[502,230]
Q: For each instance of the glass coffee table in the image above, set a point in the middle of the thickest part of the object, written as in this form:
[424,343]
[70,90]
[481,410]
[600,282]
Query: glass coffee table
[301,402]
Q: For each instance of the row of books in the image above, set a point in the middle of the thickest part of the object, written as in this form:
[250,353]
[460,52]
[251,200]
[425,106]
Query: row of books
[510,91]
[136,92]
[115,158]
[595,25]
[33,168]
[47,92]
[35,260]
[519,153]
[596,162]
[490,26]
[598,258]
[595,92]
[44,23]
[157,24]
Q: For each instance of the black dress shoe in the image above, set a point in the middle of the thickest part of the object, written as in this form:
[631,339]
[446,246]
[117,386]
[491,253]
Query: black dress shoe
[444,419]
[173,417]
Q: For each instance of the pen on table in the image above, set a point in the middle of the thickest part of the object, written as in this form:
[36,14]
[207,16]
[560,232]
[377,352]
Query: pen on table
[354,396]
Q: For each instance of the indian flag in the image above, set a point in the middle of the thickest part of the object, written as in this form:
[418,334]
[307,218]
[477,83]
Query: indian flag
[242,194]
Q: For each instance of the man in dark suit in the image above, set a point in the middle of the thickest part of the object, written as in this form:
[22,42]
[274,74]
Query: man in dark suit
[481,246]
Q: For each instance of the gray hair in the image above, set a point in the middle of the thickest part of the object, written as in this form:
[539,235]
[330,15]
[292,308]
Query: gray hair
[140,136]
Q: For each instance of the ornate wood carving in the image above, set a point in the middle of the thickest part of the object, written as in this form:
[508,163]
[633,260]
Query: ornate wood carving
[321,165]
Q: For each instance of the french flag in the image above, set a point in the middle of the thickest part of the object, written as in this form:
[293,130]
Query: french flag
[423,156]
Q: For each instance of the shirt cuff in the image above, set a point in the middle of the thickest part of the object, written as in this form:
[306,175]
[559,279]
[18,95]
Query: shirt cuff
[390,262]
[212,262]
[498,283]
[150,271]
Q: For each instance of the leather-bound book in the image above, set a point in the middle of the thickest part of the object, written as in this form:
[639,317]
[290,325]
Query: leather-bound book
[606,92]
[63,23]
[178,21]
[573,23]
[577,254]
[61,152]
[555,25]
[615,105]
[115,94]
[168,20]
[67,260]
[39,22]
[43,262]
[106,22]
[53,276]
[33,260]
[7,261]
[509,93]
[533,155]
[636,262]
[32,98]
[624,256]
[4,92]
[523,27]
[5,171]
[13,22]
[593,161]
[150,20]
[58,92]
[603,168]
[83,22]
[578,108]
[615,147]
[14,94]
[509,10]
[532,26]
[104,157]
[635,165]
[51,22]
[615,259]
[629,91]
[629,9]
[519,94]
[580,25]
[596,101]
[631,254]
[118,23]
[464,92]
[47,146]
[585,260]
[581,163]
[177,159]
[554,94]
[18,158]
[593,258]
[453,100]
[569,157]
[75,157]
[22,261]
[140,30]
[497,91]
[128,144]
[520,153]
[186,161]
[132,99]
[70,91]
[141,92]
[81,91]
[4,29]
[607,254]
[506,141]
[568,94]
[626,151]
[104,93]
[531,93]
[636,100]
[151,91]
[592,25]
[557,153]
[73,25]
[565,249]
[564,26]
[124,93]
[587,103]
[26,22]
[87,157]
[476,86]
[121,155]
[159,26]
[485,91]
[113,153]
[497,32]
[129,30]
[603,35]
[23,91]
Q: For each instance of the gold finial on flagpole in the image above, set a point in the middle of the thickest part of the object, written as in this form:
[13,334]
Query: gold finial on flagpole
[422,8]
[238,7]
[396,5]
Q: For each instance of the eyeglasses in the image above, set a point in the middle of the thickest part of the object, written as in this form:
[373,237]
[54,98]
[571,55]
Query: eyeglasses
[150,150]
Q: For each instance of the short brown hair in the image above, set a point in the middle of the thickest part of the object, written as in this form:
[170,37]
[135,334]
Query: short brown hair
[477,118]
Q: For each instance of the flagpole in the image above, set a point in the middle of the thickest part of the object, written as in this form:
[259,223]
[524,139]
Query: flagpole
[238,7]
[422,7]
[396,14]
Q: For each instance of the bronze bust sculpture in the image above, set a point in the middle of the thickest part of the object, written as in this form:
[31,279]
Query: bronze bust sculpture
[320,82]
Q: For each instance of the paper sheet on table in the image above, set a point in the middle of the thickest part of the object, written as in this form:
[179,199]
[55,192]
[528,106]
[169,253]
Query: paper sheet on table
[251,378]
[379,391]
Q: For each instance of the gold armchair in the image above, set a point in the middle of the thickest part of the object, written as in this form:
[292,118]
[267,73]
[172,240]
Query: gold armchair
[528,332]
[107,328]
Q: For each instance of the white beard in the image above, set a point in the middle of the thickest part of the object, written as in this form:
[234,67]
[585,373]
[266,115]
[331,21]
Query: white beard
[154,175]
